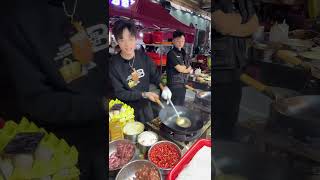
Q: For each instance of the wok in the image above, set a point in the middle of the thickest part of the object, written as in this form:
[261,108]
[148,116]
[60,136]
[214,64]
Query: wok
[243,160]
[168,117]
[200,94]
[202,97]
[299,114]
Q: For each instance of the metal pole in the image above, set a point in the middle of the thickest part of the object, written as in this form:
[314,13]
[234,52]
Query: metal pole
[160,59]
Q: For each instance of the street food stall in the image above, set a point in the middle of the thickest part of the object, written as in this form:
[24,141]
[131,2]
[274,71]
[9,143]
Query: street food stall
[170,145]
[160,148]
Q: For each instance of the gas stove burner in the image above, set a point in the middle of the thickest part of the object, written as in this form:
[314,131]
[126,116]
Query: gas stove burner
[156,123]
[183,137]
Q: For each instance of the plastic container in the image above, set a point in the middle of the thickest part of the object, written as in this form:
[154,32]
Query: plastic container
[279,32]
[187,158]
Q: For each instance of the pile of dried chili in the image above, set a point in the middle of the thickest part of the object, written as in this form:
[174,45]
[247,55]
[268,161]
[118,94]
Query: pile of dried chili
[165,155]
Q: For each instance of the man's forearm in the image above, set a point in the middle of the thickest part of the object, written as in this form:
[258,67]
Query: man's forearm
[182,69]
[230,24]
[161,86]
[187,71]
[244,30]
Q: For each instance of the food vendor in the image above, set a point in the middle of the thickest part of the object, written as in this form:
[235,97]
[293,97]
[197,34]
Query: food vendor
[178,67]
[131,72]
[234,21]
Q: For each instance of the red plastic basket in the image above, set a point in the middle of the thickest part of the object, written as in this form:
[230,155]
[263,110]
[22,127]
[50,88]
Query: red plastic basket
[156,58]
[157,37]
[186,158]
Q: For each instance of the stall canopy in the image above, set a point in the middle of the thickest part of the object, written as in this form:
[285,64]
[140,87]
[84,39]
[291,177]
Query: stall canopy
[150,15]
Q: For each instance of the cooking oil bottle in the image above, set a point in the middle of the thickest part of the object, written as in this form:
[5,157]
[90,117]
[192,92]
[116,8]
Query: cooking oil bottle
[115,130]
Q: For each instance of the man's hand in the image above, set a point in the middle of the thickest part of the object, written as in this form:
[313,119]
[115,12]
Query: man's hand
[151,96]
[135,76]
[166,94]
[247,29]
[189,69]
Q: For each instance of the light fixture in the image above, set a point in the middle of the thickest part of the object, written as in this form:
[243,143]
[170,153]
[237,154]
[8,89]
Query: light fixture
[125,3]
[115,2]
[141,34]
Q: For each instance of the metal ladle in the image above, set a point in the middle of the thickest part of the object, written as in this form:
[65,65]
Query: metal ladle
[182,122]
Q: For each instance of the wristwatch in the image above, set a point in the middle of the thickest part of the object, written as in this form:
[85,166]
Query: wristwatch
[144,95]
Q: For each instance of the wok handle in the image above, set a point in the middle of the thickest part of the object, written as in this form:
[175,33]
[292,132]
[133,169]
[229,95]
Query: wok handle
[258,86]
[159,103]
[285,56]
[191,88]
[252,82]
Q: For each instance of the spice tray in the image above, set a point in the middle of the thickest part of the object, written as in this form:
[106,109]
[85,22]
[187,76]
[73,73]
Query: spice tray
[187,157]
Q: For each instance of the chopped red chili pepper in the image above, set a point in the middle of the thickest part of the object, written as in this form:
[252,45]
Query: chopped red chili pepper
[165,155]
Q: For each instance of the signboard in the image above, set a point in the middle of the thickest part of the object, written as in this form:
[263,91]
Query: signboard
[123,3]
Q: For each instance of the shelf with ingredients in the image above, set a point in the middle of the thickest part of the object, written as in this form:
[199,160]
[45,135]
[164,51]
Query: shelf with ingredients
[200,79]
[204,63]
[137,152]
[155,39]
[294,49]
[30,152]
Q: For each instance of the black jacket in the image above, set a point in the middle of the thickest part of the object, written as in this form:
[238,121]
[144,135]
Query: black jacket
[32,47]
[120,72]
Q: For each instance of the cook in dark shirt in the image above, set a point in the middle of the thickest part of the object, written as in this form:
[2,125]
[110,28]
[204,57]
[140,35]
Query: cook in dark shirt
[131,72]
[233,22]
[178,67]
